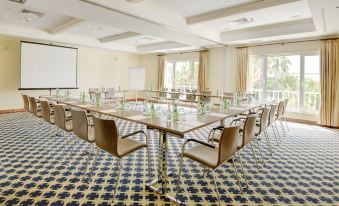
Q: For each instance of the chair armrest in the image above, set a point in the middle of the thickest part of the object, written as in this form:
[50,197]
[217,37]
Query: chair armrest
[133,133]
[218,128]
[238,119]
[200,142]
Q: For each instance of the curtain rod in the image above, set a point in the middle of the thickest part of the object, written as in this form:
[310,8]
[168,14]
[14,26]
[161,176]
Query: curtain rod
[182,52]
[288,42]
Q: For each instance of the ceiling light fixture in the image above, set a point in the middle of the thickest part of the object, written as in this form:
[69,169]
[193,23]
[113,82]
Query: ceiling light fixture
[26,19]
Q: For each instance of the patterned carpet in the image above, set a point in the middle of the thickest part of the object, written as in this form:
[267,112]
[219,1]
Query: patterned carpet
[304,170]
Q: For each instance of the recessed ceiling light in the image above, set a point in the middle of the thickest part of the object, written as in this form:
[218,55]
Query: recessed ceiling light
[100,29]
[26,19]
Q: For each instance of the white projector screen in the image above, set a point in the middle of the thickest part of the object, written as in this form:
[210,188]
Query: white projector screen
[48,67]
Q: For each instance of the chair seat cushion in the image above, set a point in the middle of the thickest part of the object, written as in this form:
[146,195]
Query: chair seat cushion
[126,146]
[204,155]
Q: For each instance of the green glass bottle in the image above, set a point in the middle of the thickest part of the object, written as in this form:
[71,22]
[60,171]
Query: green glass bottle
[175,113]
[225,103]
[152,110]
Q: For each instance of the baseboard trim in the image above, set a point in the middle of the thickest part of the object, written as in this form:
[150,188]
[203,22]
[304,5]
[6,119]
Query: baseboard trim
[302,121]
[6,111]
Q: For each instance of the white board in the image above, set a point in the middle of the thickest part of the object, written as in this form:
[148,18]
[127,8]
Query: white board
[46,66]
[136,78]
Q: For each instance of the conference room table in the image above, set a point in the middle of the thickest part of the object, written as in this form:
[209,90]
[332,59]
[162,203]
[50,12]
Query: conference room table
[187,123]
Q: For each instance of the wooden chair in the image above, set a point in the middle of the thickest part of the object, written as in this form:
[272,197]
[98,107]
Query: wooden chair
[46,112]
[25,99]
[82,129]
[34,107]
[211,156]
[108,139]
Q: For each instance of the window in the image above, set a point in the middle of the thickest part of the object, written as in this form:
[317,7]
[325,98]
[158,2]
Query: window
[292,76]
[181,74]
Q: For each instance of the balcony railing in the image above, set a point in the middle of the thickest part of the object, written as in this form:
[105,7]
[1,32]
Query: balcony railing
[311,101]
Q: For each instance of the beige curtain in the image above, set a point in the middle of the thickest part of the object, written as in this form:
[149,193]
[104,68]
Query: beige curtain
[242,69]
[329,83]
[161,71]
[202,75]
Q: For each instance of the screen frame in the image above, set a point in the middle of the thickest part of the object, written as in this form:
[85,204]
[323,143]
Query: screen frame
[51,45]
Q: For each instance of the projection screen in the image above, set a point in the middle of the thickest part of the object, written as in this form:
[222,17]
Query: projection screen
[48,67]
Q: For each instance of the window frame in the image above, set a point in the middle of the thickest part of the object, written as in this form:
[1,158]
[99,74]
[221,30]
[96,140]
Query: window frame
[302,55]
[174,62]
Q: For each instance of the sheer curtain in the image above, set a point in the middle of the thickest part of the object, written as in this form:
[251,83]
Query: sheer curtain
[202,77]
[161,71]
[329,81]
[242,69]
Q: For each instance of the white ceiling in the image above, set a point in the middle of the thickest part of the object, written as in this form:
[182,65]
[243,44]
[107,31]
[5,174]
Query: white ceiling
[188,8]
[150,26]
[95,30]
[271,15]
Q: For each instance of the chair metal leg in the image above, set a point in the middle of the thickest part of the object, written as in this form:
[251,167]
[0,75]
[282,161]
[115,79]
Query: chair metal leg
[282,127]
[179,175]
[255,157]
[275,136]
[262,157]
[242,168]
[285,120]
[149,163]
[278,134]
[95,161]
[87,161]
[118,179]
[236,174]
[216,187]
[268,143]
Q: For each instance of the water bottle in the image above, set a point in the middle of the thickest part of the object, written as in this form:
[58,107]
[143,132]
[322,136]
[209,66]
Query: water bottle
[175,113]
[97,99]
[152,110]
[225,103]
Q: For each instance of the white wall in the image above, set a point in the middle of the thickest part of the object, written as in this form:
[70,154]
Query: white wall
[96,68]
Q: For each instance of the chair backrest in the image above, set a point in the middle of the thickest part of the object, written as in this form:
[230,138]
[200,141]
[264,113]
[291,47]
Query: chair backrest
[228,143]
[190,97]
[273,111]
[80,123]
[264,119]
[59,116]
[280,109]
[106,135]
[34,106]
[26,101]
[110,93]
[45,111]
[249,129]
[174,95]
[206,98]
[285,105]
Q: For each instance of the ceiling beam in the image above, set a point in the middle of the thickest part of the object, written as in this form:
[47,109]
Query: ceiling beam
[160,46]
[66,26]
[134,1]
[242,8]
[279,29]
[124,35]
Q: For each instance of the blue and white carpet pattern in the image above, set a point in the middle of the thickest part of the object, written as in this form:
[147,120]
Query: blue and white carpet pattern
[38,169]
